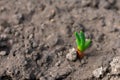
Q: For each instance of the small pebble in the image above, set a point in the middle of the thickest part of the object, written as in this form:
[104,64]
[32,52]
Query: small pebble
[34,45]
[72,56]
[17,34]
[30,36]
[83,61]
[2,8]
[3,36]
[7,30]
[42,78]
[3,53]
[52,40]
[10,42]
[58,63]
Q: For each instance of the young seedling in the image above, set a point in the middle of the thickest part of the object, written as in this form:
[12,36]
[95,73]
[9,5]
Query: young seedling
[82,43]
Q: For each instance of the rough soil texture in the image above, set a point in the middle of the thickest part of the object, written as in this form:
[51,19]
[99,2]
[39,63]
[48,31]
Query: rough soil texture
[36,35]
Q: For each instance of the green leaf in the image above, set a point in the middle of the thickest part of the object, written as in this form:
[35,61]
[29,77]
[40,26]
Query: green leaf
[78,45]
[82,43]
[78,41]
[87,43]
[82,37]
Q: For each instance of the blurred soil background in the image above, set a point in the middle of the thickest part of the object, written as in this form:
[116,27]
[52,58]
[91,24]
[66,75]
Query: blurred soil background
[36,36]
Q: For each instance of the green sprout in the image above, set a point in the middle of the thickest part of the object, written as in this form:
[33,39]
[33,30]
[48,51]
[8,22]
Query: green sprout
[81,41]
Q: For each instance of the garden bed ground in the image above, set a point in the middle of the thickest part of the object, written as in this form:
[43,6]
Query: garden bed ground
[36,35]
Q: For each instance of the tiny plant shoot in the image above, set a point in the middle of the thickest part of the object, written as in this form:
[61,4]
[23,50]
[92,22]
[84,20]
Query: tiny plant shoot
[82,43]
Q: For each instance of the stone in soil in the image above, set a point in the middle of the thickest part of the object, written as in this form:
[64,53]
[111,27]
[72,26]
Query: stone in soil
[99,72]
[42,78]
[3,36]
[115,65]
[53,40]
[3,53]
[72,56]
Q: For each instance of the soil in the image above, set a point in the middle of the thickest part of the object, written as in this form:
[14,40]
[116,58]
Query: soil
[36,35]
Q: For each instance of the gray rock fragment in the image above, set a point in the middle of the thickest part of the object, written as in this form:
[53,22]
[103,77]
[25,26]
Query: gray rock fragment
[72,56]
[115,65]
[3,53]
[99,72]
